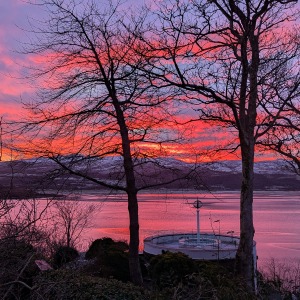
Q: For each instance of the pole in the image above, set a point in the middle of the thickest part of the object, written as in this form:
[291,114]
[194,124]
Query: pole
[198,226]
[198,204]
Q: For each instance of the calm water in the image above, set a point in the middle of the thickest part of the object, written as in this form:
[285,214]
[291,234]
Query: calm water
[276,217]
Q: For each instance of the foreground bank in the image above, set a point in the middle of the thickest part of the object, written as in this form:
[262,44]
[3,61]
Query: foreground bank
[103,273]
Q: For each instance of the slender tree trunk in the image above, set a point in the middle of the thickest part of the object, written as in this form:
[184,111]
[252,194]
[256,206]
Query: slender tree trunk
[134,263]
[245,260]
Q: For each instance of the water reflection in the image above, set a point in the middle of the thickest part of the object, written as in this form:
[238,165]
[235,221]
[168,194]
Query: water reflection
[276,217]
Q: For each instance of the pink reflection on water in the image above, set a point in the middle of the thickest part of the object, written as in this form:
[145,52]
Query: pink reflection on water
[276,217]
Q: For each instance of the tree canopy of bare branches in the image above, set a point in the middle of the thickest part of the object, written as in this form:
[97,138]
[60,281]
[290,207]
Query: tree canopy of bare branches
[108,83]
[94,101]
[284,138]
[237,63]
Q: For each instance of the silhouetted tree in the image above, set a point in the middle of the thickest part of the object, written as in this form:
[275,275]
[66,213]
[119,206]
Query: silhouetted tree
[70,218]
[237,63]
[94,101]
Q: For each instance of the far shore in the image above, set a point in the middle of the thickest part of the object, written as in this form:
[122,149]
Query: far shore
[77,195]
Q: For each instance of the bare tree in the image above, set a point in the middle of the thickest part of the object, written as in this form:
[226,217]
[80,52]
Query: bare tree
[236,62]
[21,220]
[95,103]
[21,238]
[283,277]
[70,218]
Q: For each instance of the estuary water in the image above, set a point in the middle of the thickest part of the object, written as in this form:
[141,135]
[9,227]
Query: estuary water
[276,218]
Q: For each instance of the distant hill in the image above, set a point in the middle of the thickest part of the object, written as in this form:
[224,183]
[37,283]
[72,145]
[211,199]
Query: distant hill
[269,175]
[25,178]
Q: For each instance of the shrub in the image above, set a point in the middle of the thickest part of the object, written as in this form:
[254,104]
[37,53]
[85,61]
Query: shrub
[100,246]
[16,263]
[197,287]
[67,285]
[281,278]
[169,268]
[111,259]
[63,255]
[179,277]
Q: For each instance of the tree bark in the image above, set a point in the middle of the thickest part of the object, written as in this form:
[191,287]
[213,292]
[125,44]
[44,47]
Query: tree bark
[134,263]
[245,261]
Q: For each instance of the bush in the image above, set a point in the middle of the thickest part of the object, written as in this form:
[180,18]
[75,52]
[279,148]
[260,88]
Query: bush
[281,278]
[16,263]
[111,259]
[67,285]
[104,245]
[169,268]
[225,284]
[179,277]
[64,255]
[197,287]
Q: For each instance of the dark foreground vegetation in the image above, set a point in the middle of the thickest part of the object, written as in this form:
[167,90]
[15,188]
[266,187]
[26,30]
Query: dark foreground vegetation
[103,273]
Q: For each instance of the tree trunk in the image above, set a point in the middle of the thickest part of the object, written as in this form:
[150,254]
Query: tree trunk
[134,263]
[245,260]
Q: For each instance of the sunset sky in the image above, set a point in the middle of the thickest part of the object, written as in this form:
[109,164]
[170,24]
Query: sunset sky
[14,16]
[13,13]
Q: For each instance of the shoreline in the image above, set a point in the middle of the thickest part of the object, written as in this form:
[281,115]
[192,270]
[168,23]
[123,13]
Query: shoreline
[77,196]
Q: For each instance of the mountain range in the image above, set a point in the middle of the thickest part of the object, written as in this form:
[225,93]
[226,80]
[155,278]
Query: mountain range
[24,178]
